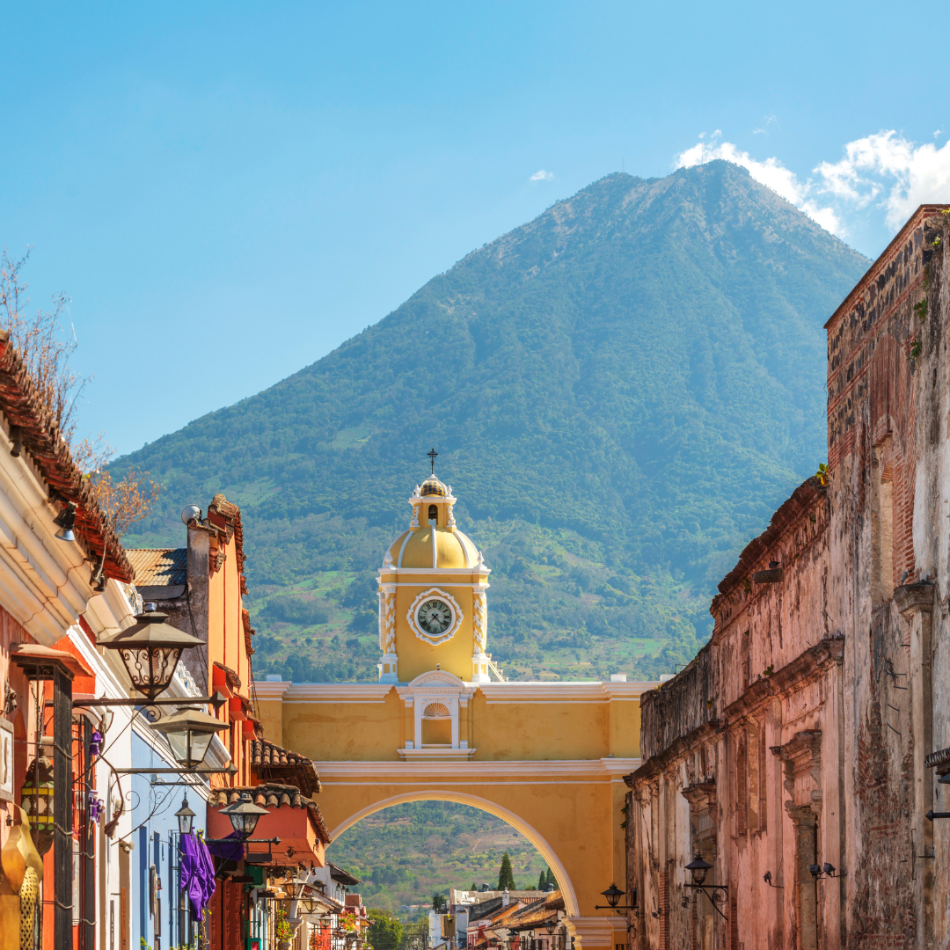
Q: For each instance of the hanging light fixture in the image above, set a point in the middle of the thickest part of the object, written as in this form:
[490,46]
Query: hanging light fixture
[189,733]
[36,799]
[150,650]
[716,893]
[698,868]
[66,521]
[244,815]
[185,816]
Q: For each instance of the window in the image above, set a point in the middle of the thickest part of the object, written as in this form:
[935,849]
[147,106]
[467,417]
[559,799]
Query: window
[433,514]
[882,523]
[755,744]
[742,801]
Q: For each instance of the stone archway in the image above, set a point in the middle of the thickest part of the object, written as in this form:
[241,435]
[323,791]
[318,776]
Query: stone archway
[463,798]
[548,758]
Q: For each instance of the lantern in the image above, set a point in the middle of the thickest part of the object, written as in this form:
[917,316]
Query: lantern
[150,650]
[36,799]
[185,816]
[244,815]
[189,733]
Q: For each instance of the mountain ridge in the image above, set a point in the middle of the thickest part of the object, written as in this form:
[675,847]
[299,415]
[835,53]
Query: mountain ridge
[621,390]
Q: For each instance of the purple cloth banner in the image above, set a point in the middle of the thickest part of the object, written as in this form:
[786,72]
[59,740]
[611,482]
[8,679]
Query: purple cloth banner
[192,873]
[207,868]
[225,849]
[197,873]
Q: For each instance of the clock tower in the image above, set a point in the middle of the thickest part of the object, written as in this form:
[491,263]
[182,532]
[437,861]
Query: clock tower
[433,609]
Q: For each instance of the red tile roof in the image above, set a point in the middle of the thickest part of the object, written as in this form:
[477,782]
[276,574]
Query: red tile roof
[273,795]
[43,442]
[270,761]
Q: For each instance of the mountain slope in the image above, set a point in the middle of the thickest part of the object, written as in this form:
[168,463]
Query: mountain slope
[620,392]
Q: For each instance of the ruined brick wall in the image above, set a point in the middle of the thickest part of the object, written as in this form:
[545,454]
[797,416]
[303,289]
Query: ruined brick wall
[887,377]
[709,782]
[679,707]
[799,735]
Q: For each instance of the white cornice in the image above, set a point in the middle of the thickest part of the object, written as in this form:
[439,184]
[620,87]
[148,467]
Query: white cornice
[329,692]
[268,689]
[394,772]
[563,692]
[556,692]
[444,755]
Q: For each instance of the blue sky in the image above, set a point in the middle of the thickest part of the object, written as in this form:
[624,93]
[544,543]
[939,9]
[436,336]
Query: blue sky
[227,192]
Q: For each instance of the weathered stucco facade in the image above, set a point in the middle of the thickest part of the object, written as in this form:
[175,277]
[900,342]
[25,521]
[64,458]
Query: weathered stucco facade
[799,736]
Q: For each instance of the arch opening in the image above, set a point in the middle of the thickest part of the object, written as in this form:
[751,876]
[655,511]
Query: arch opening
[483,804]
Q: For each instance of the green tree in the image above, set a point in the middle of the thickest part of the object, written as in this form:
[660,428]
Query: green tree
[506,877]
[542,880]
[438,903]
[551,879]
[385,930]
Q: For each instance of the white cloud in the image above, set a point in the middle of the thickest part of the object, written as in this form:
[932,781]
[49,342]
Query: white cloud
[882,171]
[541,175]
[887,166]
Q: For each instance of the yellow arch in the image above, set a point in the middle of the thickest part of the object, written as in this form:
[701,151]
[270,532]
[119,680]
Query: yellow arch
[571,906]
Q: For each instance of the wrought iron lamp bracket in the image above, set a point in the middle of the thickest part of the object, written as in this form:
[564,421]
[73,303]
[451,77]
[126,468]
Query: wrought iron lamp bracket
[706,888]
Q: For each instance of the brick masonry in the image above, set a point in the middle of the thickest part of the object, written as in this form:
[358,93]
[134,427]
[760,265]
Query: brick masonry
[797,736]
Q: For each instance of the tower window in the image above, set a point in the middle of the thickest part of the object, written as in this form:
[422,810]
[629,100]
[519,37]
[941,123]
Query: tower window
[433,514]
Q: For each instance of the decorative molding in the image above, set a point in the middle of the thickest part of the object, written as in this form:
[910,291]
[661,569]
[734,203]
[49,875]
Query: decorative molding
[919,596]
[435,752]
[325,692]
[563,692]
[453,627]
[387,619]
[528,771]
[801,755]
[480,621]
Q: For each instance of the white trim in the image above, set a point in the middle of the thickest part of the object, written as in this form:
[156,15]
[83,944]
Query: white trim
[327,692]
[543,770]
[545,692]
[428,752]
[435,593]
[547,852]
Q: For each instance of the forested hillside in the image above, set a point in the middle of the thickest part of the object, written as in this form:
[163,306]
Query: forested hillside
[621,391]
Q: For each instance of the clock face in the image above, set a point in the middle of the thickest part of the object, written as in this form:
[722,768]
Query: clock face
[434,617]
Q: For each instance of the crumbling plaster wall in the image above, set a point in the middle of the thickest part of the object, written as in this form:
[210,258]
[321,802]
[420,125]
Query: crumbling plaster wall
[884,433]
[766,673]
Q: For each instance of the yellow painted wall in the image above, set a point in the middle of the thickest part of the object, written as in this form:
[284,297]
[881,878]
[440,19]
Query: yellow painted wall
[363,732]
[513,731]
[575,825]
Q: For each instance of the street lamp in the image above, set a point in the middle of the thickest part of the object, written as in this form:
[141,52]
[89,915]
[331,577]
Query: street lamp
[36,797]
[244,815]
[698,868]
[189,733]
[150,650]
[613,895]
[185,816]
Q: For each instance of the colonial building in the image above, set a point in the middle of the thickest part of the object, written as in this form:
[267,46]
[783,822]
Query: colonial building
[547,757]
[798,754]
[201,588]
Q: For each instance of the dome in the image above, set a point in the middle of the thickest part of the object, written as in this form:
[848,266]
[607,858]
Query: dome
[433,548]
[432,486]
